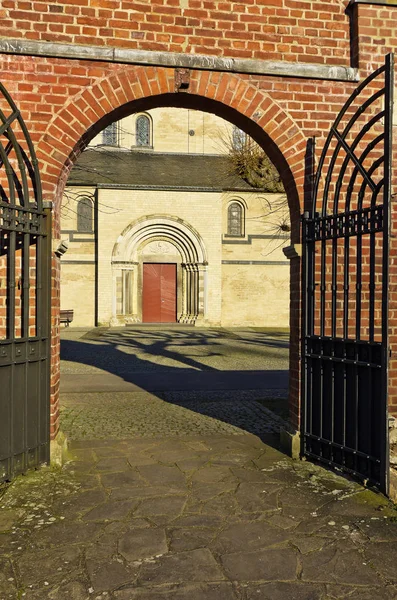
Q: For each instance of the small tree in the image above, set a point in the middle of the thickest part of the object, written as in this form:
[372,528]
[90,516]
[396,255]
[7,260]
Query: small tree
[249,161]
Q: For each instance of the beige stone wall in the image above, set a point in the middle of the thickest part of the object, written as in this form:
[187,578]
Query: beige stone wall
[69,206]
[202,211]
[256,294]
[171,129]
[77,264]
[247,280]
[176,130]
[78,292]
[264,212]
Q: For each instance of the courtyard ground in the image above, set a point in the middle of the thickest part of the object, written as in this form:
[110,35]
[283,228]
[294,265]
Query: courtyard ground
[176,489]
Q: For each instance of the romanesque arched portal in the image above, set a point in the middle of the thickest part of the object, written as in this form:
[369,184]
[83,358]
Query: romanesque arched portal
[159,239]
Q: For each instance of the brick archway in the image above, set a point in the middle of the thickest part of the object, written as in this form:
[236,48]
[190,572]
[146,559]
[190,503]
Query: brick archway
[230,96]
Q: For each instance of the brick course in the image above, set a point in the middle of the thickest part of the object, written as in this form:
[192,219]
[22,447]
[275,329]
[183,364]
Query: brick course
[274,29]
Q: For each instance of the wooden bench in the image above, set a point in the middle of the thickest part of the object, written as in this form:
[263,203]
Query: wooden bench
[66,317]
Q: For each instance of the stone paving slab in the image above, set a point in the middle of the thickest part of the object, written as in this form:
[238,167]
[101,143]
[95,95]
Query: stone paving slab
[152,531]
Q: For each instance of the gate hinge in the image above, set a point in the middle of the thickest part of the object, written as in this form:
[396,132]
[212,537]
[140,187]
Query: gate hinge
[293,251]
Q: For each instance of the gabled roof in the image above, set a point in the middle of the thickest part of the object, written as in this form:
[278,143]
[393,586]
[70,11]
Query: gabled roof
[155,170]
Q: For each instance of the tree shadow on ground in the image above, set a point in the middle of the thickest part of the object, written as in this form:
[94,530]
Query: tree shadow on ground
[186,368]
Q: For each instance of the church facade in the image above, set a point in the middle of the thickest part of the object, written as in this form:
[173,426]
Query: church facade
[162,230]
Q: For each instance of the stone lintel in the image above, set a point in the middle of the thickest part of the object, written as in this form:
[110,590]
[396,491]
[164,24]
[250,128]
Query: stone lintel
[178,60]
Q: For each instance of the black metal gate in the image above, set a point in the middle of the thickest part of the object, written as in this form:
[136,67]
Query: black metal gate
[24,299]
[345,288]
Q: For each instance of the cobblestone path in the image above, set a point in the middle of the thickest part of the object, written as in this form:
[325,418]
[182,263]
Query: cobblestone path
[163,382]
[131,350]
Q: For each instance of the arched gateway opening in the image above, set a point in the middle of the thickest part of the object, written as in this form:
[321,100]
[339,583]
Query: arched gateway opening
[135,91]
[232,99]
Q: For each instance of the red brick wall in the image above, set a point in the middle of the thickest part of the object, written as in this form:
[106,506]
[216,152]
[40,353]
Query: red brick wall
[375,34]
[376,37]
[275,29]
[62,99]
[55,346]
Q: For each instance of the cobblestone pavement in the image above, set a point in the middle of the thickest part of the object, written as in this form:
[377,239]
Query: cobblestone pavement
[231,376]
[170,496]
[144,414]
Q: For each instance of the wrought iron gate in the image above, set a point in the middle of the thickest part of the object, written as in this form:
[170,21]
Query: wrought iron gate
[345,288]
[24,299]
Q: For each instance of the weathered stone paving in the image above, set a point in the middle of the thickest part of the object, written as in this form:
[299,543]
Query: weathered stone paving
[218,517]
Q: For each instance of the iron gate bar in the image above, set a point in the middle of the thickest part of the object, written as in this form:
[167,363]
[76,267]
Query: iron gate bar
[28,140]
[25,250]
[39,287]
[364,154]
[354,158]
[24,192]
[9,173]
[25,285]
[363,107]
[389,100]
[368,126]
[353,178]
[344,376]
[7,150]
[347,224]
[7,122]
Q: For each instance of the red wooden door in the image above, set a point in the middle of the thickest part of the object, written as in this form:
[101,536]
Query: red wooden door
[168,293]
[159,293]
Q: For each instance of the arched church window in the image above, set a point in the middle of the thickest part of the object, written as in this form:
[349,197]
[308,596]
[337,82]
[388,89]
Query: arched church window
[235,219]
[239,138]
[109,135]
[142,130]
[85,215]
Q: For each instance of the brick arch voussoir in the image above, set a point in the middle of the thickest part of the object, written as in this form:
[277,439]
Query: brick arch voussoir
[61,144]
